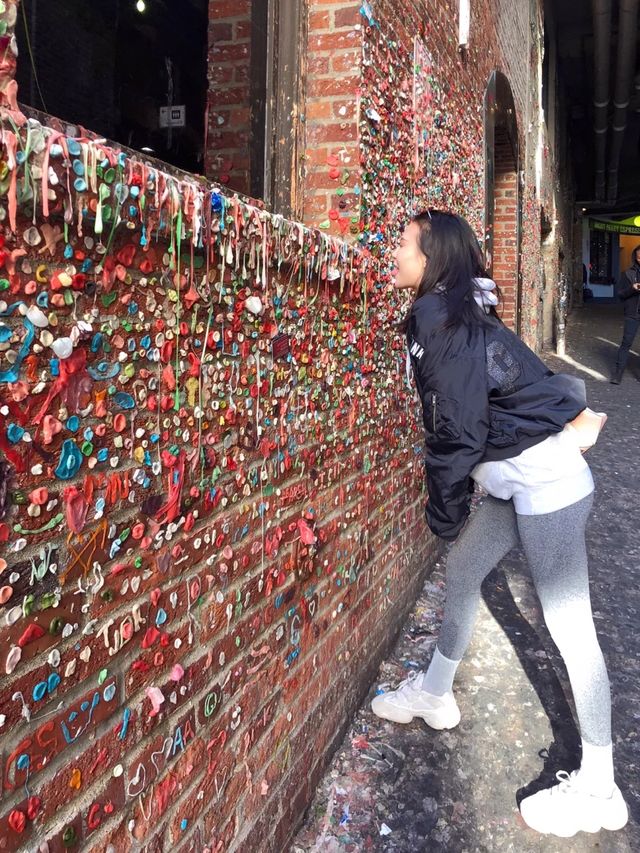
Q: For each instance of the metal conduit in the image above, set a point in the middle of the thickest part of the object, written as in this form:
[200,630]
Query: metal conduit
[625,72]
[602,60]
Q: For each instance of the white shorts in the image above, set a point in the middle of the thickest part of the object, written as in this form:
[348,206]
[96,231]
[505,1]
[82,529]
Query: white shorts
[544,478]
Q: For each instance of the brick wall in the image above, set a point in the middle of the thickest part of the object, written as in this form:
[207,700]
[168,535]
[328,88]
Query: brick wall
[331,187]
[505,230]
[344,191]
[211,520]
[228,131]
[450,168]
[523,24]
[512,32]
[505,268]
[375,62]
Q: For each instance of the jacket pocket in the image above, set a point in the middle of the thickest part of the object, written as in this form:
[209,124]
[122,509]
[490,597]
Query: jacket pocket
[442,417]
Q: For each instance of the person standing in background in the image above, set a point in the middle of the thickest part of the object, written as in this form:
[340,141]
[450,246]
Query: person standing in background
[628,291]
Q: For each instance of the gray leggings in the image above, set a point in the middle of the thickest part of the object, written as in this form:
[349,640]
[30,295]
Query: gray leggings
[554,545]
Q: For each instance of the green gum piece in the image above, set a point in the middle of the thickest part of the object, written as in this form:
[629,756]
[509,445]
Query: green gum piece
[46,601]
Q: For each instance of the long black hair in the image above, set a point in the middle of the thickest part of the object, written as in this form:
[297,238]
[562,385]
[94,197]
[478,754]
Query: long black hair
[454,259]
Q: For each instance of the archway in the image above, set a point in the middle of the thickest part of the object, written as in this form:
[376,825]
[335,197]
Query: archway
[502,196]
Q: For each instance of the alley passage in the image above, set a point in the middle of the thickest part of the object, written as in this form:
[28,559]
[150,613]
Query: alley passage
[409,789]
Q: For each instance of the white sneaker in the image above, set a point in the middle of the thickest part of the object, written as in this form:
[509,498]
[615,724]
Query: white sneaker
[409,701]
[566,809]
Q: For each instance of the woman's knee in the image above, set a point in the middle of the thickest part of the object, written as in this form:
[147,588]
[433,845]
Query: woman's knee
[572,629]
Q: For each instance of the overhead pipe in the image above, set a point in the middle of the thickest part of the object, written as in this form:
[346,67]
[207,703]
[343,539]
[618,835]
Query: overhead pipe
[625,72]
[602,60]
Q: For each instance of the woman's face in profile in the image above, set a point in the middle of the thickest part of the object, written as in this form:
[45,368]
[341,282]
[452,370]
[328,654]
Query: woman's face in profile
[410,261]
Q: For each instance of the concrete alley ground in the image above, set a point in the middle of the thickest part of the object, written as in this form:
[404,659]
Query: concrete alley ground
[395,788]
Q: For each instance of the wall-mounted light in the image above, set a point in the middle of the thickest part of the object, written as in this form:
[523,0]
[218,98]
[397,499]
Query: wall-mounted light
[141,6]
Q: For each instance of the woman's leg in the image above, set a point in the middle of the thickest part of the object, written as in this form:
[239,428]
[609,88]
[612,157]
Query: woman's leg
[588,800]
[488,537]
[628,336]
[490,534]
[556,551]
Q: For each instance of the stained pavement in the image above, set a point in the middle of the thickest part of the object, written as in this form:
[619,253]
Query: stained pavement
[406,788]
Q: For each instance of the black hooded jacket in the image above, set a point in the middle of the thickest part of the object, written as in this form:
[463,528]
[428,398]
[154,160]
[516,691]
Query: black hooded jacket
[627,293]
[485,396]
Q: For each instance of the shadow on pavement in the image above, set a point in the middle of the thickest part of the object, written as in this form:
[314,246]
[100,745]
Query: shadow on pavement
[564,750]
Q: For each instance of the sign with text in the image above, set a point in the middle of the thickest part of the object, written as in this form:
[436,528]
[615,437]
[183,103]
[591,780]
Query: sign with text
[613,227]
[173,116]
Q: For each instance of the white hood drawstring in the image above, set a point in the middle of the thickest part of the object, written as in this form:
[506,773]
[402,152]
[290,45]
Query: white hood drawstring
[483,293]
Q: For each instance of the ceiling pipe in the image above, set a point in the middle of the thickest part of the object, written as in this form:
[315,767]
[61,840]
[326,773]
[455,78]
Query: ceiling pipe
[625,71]
[602,62]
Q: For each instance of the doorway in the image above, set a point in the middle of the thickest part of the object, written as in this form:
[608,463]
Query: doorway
[502,197]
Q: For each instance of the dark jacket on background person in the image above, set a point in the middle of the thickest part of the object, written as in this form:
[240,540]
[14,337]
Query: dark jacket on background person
[485,396]
[627,293]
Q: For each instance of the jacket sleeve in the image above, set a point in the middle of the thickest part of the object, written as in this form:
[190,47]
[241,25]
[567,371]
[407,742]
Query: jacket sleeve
[625,288]
[455,402]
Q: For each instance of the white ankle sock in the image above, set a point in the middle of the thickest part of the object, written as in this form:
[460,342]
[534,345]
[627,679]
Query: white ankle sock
[596,769]
[438,679]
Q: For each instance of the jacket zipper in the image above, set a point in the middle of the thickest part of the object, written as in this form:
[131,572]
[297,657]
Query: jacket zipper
[433,410]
